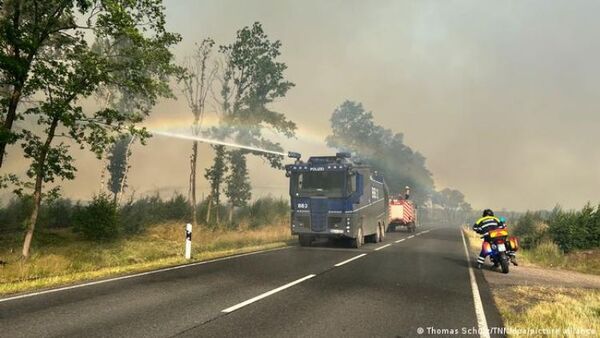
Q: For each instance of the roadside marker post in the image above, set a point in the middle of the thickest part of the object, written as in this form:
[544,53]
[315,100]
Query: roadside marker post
[188,241]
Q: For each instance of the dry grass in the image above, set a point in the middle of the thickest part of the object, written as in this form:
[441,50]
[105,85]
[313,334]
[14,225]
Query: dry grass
[64,259]
[548,255]
[527,310]
[540,311]
[473,239]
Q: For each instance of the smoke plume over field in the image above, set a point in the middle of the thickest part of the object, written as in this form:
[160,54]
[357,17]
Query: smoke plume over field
[501,97]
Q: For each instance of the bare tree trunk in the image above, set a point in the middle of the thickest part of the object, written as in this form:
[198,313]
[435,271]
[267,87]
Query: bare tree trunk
[208,206]
[37,193]
[37,199]
[193,182]
[127,166]
[218,211]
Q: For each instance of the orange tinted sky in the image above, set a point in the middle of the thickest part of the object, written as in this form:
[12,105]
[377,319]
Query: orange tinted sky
[500,96]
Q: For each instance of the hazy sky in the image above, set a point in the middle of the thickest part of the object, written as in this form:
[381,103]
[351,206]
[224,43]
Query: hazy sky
[501,97]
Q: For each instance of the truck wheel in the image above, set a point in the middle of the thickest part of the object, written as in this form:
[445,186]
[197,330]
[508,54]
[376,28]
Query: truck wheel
[358,241]
[391,228]
[377,235]
[382,232]
[304,240]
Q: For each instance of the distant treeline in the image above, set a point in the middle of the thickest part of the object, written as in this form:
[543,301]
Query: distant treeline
[102,219]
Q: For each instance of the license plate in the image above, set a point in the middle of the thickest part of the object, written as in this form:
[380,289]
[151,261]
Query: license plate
[336,231]
[501,247]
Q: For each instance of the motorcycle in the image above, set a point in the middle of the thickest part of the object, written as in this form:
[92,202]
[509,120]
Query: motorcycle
[501,248]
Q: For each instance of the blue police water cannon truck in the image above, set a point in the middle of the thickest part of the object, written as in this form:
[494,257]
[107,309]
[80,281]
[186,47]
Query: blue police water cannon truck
[336,197]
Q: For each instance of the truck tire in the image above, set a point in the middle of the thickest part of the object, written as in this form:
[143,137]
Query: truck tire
[391,228]
[358,241]
[376,237]
[382,232]
[304,240]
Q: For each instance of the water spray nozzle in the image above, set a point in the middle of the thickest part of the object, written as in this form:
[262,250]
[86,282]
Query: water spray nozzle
[293,154]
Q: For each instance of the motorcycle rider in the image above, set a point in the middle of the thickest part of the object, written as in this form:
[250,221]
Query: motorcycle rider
[485,224]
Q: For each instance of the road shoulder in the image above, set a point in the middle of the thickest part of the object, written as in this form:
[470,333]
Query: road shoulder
[540,301]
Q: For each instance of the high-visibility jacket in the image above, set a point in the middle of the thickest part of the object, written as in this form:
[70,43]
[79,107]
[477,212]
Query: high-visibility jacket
[487,223]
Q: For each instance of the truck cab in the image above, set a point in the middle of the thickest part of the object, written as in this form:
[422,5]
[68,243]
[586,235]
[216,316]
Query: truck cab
[335,197]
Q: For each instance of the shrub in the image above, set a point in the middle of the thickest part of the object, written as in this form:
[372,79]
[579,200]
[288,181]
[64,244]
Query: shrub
[136,215]
[13,216]
[575,229]
[548,253]
[98,220]
[265,211]
[531,229]
[56,213]
[177,209]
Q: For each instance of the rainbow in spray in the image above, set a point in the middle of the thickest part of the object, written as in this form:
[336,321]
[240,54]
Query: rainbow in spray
[180,128]
[211,141]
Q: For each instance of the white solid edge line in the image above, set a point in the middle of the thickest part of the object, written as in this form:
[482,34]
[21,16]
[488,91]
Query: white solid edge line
[411,236]
[400,240]
[382,247]
[350,260]
[266,294]
[481,321]
[27,295]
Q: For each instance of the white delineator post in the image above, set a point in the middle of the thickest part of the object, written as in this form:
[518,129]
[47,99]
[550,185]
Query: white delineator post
[188,241]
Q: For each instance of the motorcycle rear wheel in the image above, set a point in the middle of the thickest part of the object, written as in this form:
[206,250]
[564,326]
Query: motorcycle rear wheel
[504,264]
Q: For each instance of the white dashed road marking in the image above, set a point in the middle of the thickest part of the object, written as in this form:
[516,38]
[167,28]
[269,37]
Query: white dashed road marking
[266,294]
[350,260]
[381,247]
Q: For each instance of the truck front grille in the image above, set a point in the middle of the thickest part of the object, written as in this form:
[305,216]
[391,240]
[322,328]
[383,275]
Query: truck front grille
[318,222]
[335,222]
[303,221]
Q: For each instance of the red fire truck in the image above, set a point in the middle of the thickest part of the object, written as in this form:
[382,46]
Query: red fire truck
[402,212]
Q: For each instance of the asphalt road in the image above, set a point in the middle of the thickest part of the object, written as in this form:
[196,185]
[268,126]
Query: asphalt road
[325,291]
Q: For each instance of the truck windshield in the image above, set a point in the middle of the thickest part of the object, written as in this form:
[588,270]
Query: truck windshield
[329,184]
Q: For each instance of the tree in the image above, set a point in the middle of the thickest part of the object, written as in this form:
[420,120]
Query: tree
[196,84]
[252,79]
[353,129]
[215,176]
[238,182]
[453,202]
[46,54]
[118,165]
